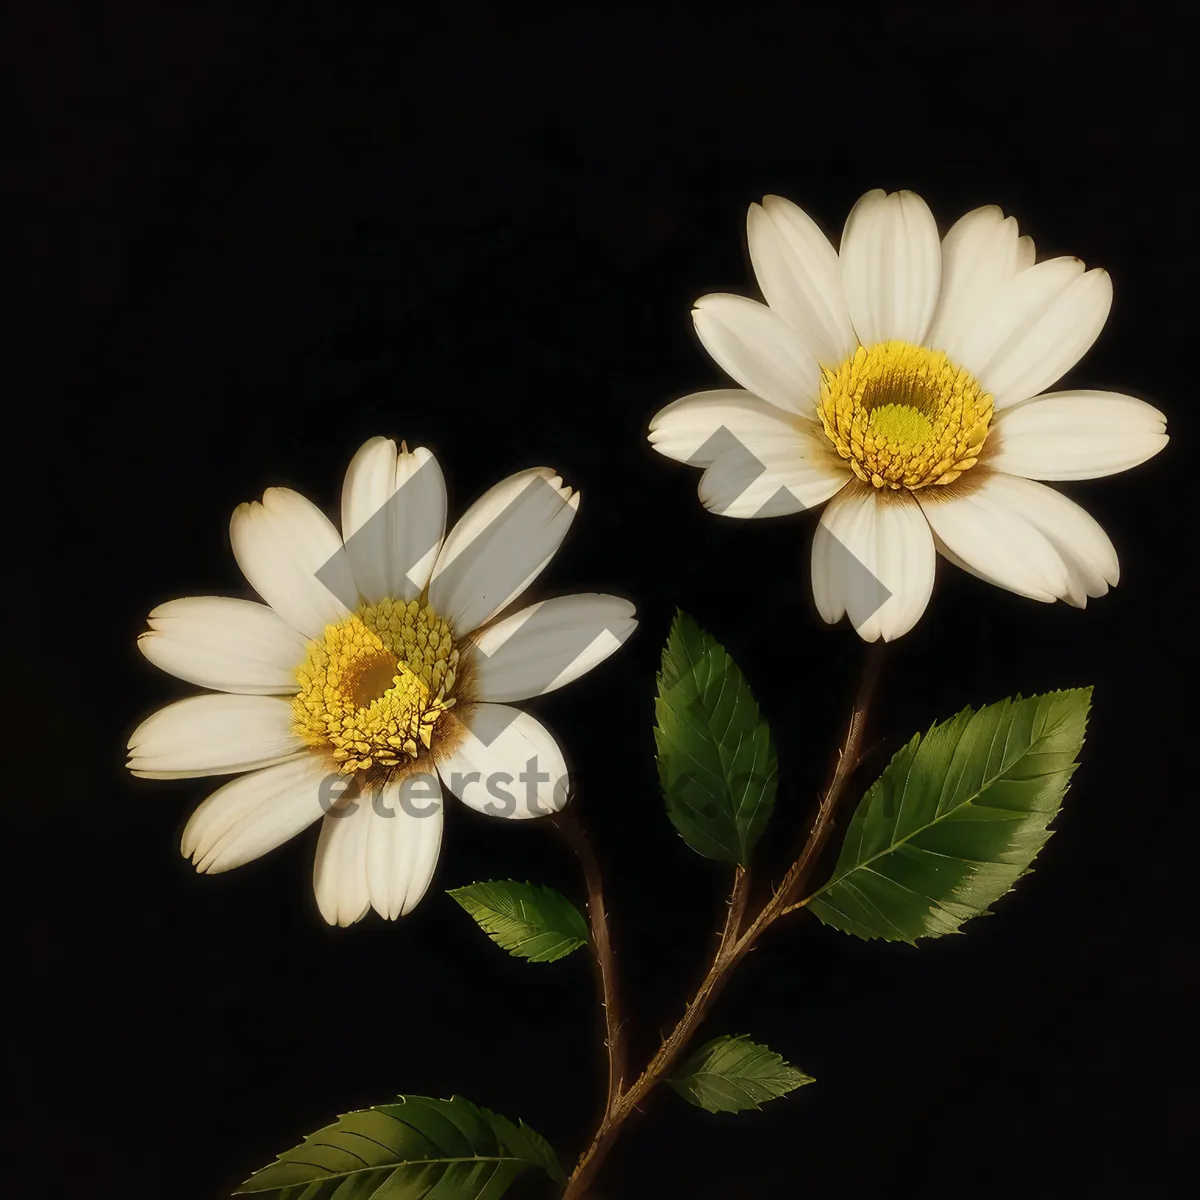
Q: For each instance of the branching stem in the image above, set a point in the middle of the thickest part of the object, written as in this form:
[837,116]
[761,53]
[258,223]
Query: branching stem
[733,945]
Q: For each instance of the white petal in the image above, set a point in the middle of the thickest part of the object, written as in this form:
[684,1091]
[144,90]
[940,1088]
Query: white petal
[340,866]
[1038,326]
[1075,435]
[980,253]
[891,267]
[1086,550]
[393,519]
[1026,253]
[547,645]
[988,530]
[773,482]
[214,735]
[499,546]
[799,273]
[1087,553]
[686,430]
[403,842]
[255,813]
[378,849]
[873,559]
[281,545]
[508,765]
[758,349]
[225,644]
[761,461]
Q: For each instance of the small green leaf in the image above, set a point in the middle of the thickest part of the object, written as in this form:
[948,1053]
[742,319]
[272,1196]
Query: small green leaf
[716,762]
[414,1148]
[526,919]
[731,1074]
[955,819]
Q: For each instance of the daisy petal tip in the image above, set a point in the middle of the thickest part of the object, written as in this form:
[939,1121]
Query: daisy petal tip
[189,840]
[331,910]
[1101,280]
[205,864]
[710,300]
[409,903]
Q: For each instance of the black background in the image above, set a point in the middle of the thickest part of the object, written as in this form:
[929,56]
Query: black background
[262,237]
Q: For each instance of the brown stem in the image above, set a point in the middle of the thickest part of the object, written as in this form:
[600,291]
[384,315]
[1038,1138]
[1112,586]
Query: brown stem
[850,754]
[734,944]
[606,1134]
[739,895]
[572,829]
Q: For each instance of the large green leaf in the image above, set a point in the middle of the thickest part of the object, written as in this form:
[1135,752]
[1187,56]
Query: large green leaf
[716,762]
[731,1074]
[414,1149]
[527,920]
[955,819]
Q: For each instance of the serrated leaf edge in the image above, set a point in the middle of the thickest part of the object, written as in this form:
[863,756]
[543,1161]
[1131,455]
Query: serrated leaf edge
[911,746]
[547,1161]
[576,941]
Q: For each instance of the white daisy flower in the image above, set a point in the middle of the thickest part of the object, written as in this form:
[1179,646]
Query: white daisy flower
[380,669]
[902,381]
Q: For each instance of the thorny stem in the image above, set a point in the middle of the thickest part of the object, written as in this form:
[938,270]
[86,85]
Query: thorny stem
[573,831]
[735,943]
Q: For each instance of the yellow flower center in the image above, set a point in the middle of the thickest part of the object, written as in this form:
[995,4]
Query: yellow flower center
[904,416]
[373,687]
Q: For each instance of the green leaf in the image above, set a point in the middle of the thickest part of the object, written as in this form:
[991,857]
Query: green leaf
[527,920]
[716,762]
[731,1074]
[414,1148]
[955,819]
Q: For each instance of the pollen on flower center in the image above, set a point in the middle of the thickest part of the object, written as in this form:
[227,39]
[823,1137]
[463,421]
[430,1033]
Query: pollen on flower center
[904,416]
[374,687]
